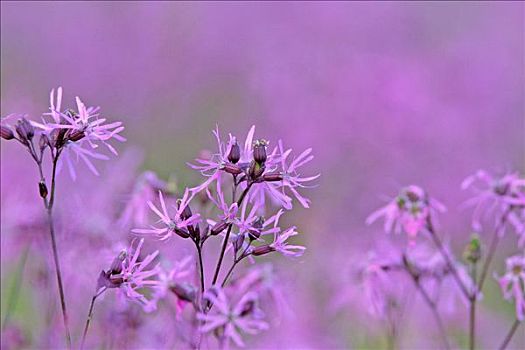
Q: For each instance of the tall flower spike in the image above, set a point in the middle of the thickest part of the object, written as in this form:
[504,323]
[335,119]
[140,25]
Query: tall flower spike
[408,212]
[168,226]
[512,283]
[228,319]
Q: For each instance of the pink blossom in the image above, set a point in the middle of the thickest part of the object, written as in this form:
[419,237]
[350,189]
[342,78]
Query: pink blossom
[170,225]
[230,319]
[512,283]
[502,195]
[408,212]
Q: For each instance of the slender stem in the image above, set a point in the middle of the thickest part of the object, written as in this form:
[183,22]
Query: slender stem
[15,288]
[90,316]
[227,237]
[201,266]
[55,253]
[492,249]
[510,334]
[450,264]
[431,304]
[472,317]
[230,271]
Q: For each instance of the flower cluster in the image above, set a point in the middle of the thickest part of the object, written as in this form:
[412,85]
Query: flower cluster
[438,277]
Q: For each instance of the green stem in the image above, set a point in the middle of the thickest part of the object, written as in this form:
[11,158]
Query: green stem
[15,288]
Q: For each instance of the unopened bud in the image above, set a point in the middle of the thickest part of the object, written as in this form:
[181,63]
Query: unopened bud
[218,228]
[262,250]
[186,212]
[255,232]
[6,133]
[184,291]
[237,242]
[76,135]
[472,252]
[232,169]
[235,153]
[273,177]
[182,233]
[43,142]
[25,130]
[42,188]
[255,170]
[259,151]
[58,139]
[116,265]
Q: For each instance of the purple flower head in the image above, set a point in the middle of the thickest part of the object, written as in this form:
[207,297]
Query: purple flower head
[229,318]
[503,195]
[130,274]
[71,131]
[281,245]
[408,212]
[213,166]
[169,225]
[512,283]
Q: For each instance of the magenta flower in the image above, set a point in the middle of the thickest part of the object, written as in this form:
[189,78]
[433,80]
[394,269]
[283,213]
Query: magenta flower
[131,275]
[408,212]
[512,283]
[168,226]
[281,245]
[213,166]
[230,319]
[502,195]
[75,129]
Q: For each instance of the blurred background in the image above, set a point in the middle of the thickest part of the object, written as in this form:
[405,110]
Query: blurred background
[387,94]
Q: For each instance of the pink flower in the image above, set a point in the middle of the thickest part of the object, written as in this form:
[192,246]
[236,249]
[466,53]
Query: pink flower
[76,129]
[213,166]
[281,245]
[130,275]
[230,319]
[512,283]
[168,226]
[505,194]
[408,212]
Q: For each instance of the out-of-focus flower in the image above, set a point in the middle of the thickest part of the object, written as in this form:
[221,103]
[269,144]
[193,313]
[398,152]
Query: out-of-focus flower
[130,275]
[178,224]
[228,319]
[503,195]
[408,212]
[512,283]
[145,189]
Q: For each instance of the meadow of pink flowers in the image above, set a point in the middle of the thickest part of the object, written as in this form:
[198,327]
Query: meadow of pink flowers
[262,175]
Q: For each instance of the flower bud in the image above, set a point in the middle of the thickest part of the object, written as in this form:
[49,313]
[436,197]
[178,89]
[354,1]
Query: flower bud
[184,291]
[76,135]
[259,151]
[472,252]
[272,177]
[218,228]
[262,250]
[43,142]
[186,212]
[235,153]
[182,233]
[237,242]
[6,133]
[255,170]
[25,130]
[58,139]
[255,232]
[116,265]
[232,169]
[42,188]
